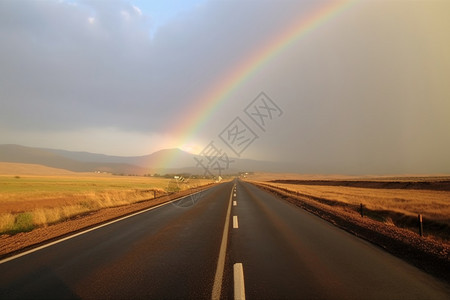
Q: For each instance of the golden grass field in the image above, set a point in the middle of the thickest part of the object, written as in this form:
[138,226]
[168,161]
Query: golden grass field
[265,176]
[29,201]
[431,204]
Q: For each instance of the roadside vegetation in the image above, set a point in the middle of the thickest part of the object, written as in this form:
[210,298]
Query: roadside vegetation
[27,202]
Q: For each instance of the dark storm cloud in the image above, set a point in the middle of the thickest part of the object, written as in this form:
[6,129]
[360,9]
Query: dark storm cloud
[364,92]
[92,63]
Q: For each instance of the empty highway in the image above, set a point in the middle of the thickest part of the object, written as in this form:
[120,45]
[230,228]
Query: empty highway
[234,240]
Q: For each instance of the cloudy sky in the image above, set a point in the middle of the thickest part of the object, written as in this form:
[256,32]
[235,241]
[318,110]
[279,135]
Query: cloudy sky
[365,92]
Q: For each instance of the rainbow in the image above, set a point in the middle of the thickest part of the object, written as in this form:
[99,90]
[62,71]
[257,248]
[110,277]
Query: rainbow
[212,100]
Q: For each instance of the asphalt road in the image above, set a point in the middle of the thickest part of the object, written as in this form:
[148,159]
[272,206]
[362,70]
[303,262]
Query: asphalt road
[288,253]
[188,250]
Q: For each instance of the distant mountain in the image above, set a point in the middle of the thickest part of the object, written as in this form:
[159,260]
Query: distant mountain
[29,155]
[87,156]
[163,161]
[178,158]
[171,158]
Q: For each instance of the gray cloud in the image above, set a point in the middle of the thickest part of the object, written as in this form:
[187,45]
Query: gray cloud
[58,66]
[362,93]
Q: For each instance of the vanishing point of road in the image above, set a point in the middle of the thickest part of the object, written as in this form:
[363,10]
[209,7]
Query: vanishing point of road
[231,241]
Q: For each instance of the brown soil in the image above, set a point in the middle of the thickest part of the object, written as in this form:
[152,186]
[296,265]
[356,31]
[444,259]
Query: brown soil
[14,244]
[426,253]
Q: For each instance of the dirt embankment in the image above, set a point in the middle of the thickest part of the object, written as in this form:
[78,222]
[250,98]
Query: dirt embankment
[426,253]
[14,244]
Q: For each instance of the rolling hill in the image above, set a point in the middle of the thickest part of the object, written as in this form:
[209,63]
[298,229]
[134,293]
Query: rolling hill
[179,162]
[45,157]
[8,168]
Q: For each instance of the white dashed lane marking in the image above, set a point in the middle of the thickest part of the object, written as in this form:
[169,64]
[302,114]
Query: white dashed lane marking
[239,285]
[235,222]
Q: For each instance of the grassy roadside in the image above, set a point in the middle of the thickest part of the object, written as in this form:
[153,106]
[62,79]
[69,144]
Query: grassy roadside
[28,202]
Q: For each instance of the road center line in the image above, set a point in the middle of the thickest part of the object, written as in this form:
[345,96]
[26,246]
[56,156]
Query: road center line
[234,203]
[235,222]
[239,285]
[217,287]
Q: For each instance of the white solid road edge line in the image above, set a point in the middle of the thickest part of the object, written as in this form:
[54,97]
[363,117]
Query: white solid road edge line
[239,286]
[235,222]
[218,277]
[91,229]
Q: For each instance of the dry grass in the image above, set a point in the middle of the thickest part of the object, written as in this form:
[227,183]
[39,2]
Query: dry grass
[27,202]
[6,222]
[431,204]
[266,176]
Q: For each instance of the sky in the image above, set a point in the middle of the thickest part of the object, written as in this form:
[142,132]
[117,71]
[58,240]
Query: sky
[363,91]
